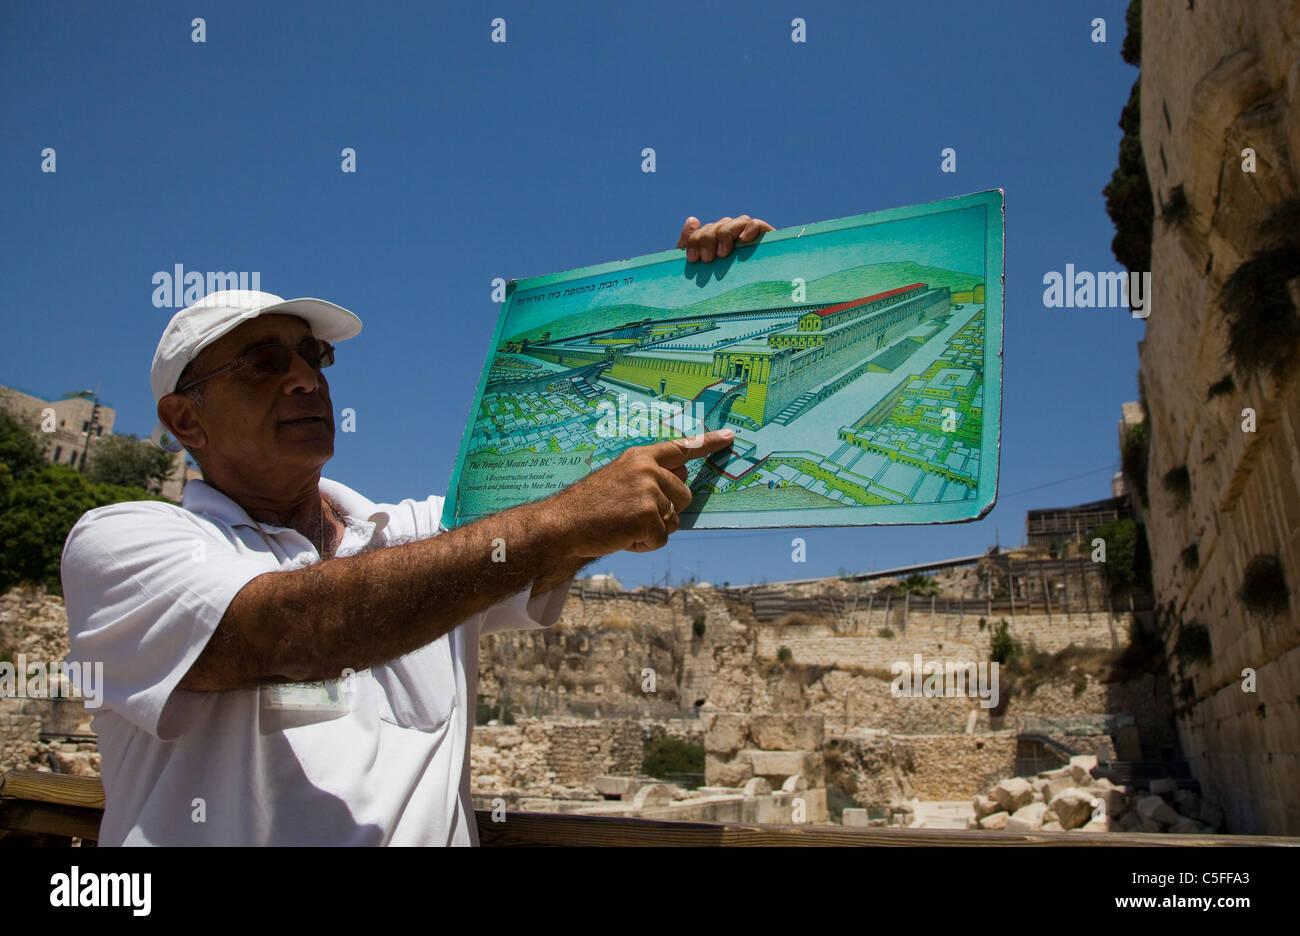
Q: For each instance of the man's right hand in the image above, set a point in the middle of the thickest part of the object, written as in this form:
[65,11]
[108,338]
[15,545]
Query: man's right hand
[634,502]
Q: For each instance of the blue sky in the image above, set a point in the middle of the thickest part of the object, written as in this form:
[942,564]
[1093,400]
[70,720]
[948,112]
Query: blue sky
[477,160]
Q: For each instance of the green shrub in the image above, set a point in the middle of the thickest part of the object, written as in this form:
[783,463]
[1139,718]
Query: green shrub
[785,654]
[1135,455]
[697,625]
[1128,559]
[667,758]
[886,632]
[1003,648]
[917,584]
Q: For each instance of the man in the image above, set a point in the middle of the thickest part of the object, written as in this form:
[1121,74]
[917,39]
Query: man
[286,662]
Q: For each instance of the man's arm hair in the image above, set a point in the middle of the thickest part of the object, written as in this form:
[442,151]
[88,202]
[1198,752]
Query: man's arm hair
[359,611]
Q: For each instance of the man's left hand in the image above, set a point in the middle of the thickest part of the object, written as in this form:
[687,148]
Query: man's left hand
[703,243]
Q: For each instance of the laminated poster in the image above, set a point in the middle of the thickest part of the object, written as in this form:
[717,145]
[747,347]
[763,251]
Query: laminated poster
[859,362]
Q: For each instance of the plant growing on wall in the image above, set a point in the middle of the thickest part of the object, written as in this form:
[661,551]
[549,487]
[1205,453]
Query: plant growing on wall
[1263,589]
[1178,210]
[1193,643]
[1263,326]
[1003,648]
[1135,458]
[1221,387]
[1178,482]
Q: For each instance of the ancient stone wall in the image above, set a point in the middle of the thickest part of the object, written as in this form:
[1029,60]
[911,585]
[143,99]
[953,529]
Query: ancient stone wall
[878,770]
[553,758]
[949,636]
[1218,78]
[577,688]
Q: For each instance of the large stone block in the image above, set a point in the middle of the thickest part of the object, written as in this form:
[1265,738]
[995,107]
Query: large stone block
[727,734]
[1113,800]
[995,821]
[985,806]
[1081,769]
[1073,807]
[812,803]
[1026,818]
[855,817]
[1013,793]
[1155,809]
[777,765]
[787,732]
[618,787]
[1056,787]
[1164,785]
[727,772]
[1211,814]
[1189,803]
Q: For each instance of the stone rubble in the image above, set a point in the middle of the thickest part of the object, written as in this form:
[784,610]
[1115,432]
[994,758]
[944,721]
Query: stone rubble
[1069,798]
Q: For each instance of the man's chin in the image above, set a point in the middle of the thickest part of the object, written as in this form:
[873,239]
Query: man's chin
[297,445]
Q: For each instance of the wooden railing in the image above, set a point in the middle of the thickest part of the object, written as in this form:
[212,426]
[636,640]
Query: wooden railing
[55,808]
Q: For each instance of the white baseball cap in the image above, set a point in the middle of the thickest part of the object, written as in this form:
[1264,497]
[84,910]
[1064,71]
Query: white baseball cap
[193,329]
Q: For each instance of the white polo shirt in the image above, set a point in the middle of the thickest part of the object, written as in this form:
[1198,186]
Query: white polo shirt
[384,762]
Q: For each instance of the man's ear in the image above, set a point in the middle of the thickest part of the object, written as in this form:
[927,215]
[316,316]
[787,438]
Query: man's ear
[180,415]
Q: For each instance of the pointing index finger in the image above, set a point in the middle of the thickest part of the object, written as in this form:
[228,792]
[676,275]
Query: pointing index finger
[673,453]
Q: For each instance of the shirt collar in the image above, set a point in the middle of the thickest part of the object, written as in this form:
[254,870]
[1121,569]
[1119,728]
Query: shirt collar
[202,498]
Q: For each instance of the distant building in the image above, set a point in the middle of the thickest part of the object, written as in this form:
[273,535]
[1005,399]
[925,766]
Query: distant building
[78,422]
[1057,526]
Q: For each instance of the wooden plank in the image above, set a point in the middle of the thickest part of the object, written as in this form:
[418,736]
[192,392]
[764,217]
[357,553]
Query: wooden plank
[548,829]
[42,787]
[49,819]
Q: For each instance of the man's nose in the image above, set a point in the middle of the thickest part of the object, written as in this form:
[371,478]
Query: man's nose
[302,376]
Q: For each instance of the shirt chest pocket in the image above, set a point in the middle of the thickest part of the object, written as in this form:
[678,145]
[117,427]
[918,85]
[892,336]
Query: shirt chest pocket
[419,690]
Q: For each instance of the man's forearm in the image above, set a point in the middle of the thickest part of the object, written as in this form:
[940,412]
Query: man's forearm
[359,611]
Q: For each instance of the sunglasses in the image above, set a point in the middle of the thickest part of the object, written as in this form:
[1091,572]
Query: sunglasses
[273,360]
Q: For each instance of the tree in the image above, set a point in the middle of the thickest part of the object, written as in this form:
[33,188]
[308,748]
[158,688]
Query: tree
[42,507]
[918,584]
[128,461]
[20,448]
[1128,558]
